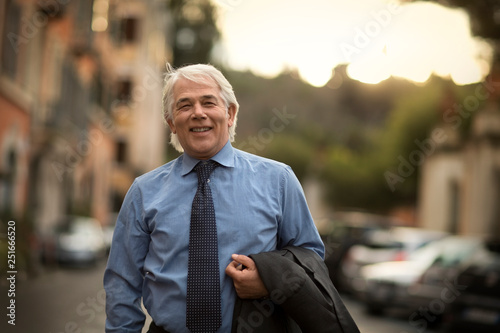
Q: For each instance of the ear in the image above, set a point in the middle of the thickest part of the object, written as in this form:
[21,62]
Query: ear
[171,125]
[231,114]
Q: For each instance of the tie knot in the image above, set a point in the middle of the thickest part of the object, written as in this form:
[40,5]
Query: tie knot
[204,169]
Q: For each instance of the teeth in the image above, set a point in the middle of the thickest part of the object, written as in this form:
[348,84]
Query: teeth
[200,129]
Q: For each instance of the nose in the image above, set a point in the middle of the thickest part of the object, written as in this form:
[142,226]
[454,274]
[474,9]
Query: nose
[198,111]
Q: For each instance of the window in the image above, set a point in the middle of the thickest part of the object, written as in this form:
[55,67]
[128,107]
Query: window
[124,90]
[121,151]
[454,212]
[123,30]
[7,179]
[129,30]
[12,38]
[495,220]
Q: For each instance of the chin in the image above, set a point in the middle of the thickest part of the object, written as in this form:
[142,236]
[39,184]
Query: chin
[201,153]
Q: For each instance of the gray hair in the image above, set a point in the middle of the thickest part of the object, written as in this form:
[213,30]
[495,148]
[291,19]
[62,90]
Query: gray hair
[199,73]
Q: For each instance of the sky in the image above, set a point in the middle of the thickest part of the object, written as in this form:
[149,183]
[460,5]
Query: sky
[375,38]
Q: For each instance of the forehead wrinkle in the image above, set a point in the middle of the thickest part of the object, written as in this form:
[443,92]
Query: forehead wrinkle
[203,97]
[209,96]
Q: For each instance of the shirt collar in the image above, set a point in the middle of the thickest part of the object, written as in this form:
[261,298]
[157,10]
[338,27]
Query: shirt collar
[224,157]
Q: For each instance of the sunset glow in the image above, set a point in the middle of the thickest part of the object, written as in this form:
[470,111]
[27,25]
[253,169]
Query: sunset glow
[377,39]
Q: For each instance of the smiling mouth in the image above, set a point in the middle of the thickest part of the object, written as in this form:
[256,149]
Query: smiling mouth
[201,129]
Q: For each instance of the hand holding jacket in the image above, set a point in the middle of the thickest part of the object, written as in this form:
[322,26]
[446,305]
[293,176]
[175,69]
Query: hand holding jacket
[247,282]
[302,297]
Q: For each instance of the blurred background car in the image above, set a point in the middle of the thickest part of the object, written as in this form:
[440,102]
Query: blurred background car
[109,230]
[477,307]
[422,281]
[345,230]
[76,240]
[390,244]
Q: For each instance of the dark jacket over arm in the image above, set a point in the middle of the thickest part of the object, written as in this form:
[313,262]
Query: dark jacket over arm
[302,297]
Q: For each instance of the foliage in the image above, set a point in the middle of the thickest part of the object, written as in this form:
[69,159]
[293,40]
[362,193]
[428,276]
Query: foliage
[350,137]
[291,150]
[356,178]
[194,31]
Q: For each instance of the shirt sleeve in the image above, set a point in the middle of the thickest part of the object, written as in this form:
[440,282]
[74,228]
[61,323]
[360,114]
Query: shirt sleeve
[297,226]
[123,277]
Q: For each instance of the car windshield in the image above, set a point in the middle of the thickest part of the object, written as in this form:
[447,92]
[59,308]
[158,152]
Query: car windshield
[449,250]
[78,225]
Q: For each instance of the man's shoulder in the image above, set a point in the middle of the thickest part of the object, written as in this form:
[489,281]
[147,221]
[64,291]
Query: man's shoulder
[261,165]
[248,159]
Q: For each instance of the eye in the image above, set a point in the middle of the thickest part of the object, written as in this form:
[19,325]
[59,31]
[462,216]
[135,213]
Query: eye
[184,107]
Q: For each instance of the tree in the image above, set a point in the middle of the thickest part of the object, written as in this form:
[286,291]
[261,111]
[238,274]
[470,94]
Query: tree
[384,174]
[292,150]
[194,31]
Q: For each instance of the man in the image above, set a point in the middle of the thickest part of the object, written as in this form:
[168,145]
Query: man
[259,206]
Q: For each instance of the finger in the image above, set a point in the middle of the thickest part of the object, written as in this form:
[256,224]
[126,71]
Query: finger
[244,260]
[233,268]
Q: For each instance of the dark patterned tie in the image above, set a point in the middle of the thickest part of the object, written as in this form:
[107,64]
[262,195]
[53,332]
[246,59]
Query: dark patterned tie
[203,306]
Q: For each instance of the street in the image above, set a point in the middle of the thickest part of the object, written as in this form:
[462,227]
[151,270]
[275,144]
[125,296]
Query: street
[396,322]
[60,301]
[72,300]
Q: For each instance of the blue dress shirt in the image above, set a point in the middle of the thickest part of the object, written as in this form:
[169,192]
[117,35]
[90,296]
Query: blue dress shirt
[259,206]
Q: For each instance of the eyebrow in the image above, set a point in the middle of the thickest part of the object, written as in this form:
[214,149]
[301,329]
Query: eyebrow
[182,100]
[188,99]
[209,97]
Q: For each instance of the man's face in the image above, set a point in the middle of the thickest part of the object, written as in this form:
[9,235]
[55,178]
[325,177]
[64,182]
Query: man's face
[199,118]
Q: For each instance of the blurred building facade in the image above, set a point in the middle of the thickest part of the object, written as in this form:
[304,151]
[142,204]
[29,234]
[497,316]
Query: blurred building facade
[80,104]
[460,180]
[460,187]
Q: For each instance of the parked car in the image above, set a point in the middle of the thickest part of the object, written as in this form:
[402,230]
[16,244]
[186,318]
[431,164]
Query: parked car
[477,307]
[393,244]
[109,230]
[347,229]
[76,240]
[420,282]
